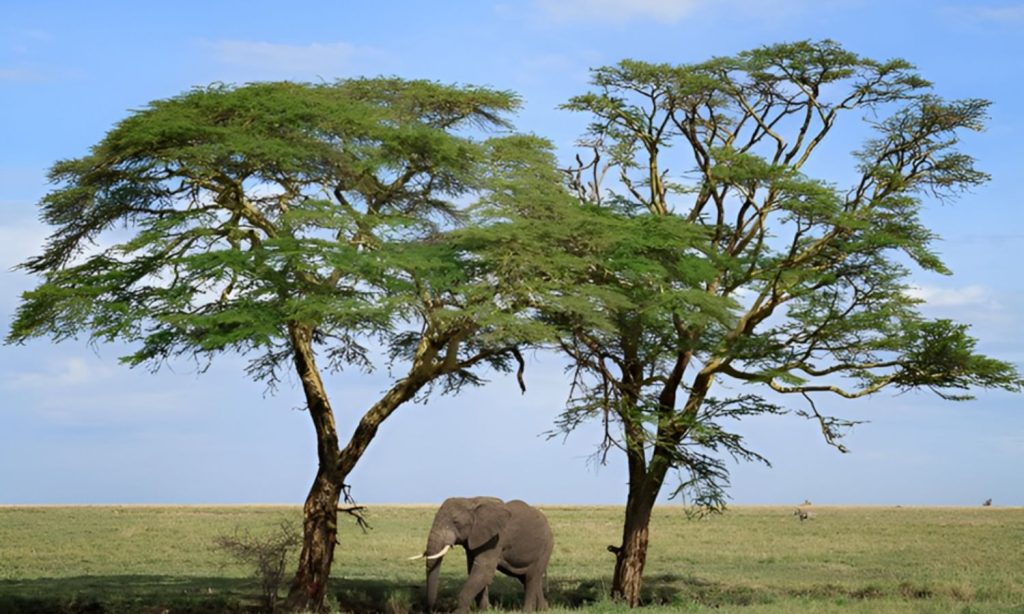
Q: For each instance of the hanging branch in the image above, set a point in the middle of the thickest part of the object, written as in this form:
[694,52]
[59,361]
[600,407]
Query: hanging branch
[353,509]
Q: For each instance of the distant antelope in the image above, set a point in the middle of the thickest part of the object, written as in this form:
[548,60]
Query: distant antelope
[802,514]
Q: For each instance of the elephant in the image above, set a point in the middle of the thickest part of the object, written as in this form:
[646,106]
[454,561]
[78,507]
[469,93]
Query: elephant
[513,538]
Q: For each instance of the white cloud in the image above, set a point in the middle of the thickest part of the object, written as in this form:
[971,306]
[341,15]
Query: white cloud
[19,73]
[666,11]
[274,60]
[968,296]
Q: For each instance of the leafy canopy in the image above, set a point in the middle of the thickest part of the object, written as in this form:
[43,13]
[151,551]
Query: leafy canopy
[794,284]
[213,220]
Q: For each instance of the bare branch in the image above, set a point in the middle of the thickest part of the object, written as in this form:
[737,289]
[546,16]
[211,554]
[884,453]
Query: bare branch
[352,509]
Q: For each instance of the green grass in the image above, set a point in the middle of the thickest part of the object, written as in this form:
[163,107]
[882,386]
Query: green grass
[752,559]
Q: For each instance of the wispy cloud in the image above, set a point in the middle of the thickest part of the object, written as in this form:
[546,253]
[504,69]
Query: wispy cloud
[968,296]
[19,240]
[37,34]
[20,73]
[80,390]
[991,313]
[672,11]
[20,64]
[1010,445]
[1002,15]
[68,373]
[665,11]
[539,69]
[1013,13]
[25,41]
[263,60]
[105,406]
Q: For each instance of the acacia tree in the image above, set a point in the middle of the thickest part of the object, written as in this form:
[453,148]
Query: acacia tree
[803,290]
[296,224]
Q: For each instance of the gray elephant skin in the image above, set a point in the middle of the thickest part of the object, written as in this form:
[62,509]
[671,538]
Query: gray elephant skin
[513,538]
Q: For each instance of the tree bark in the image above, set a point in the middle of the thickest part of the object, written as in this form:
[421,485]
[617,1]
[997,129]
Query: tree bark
[631,556]
[320,512]
[319,536]
[646,479]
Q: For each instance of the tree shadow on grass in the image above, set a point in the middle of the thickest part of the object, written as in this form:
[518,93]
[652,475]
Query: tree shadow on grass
[658,589]
[208,595]
[363,596]
[129,593]
[153,594]
[683,590]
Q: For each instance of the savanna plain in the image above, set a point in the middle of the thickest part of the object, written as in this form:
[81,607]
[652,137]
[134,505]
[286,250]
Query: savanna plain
[750,559]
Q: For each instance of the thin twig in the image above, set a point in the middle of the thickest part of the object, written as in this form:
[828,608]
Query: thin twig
[522,367]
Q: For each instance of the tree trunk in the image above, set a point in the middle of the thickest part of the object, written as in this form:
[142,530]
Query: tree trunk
[319,535]
[631,556]
[645,481]
[646,478]
[320,513]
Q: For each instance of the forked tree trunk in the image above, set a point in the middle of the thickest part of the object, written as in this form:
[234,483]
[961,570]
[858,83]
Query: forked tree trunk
[631,556]
[320,513]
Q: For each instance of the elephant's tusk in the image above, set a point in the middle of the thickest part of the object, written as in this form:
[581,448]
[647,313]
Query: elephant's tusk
[413,558]
[439,554]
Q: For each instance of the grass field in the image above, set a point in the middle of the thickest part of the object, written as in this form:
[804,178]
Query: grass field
[752,559]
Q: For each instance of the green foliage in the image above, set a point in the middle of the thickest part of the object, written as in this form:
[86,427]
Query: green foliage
[940,356]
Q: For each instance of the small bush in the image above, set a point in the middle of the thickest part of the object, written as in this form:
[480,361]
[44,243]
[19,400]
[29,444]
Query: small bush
[398,602]
[915,591]
[268,554]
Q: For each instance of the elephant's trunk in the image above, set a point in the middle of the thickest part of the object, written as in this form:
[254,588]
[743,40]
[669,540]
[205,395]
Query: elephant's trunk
[433,579]
[439,541]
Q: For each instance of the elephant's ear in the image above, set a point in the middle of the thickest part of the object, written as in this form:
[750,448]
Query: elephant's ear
[488,520]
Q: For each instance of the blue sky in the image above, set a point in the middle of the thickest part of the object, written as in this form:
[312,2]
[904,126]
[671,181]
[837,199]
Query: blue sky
[76,427]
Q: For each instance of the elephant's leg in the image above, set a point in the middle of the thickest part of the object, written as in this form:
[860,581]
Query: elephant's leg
[481,572]
[533,585]
[482,601]
[533,596]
